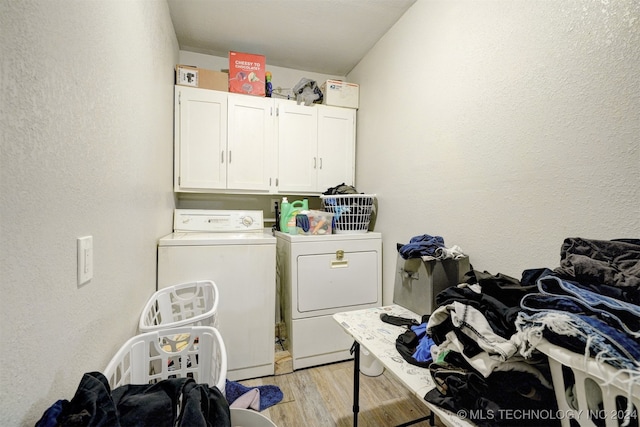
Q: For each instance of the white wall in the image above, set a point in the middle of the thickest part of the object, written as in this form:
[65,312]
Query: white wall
[503,126]
[86,149]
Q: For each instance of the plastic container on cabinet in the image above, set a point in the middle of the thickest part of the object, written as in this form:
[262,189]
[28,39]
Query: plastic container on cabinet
[313,222]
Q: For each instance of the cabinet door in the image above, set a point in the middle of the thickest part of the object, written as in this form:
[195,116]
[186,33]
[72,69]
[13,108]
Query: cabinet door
[250,143]
[200,139]
[297,147]
[336,146]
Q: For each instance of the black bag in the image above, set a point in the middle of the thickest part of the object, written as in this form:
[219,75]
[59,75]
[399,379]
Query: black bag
[407,342]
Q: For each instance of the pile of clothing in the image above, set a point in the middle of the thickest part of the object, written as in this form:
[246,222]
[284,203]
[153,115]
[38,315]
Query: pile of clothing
[485,330]
[428,248]
[477,367]
[590,304]
[174,402]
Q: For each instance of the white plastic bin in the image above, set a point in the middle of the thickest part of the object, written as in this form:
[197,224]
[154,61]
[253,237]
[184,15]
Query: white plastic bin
[190,351]
[603,394]
[249,418]
[191,303]
[369,365]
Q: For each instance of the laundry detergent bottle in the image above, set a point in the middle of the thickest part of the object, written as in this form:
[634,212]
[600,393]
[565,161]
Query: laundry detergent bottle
[297,207]
[285,210]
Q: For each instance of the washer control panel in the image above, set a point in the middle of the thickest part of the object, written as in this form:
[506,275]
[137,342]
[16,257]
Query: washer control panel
[217,221]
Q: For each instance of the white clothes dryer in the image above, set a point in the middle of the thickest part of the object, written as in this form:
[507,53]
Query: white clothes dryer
[319,276]
[233,249]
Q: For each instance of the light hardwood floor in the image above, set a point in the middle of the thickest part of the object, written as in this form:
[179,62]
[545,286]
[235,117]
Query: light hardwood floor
[323,397]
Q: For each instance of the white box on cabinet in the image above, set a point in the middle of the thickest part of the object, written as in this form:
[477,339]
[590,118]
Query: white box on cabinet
[340,94]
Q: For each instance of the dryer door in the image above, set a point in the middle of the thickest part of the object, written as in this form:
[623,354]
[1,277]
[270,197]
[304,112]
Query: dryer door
[330,282]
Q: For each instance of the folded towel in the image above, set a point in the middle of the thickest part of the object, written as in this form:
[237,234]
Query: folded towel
[269,394]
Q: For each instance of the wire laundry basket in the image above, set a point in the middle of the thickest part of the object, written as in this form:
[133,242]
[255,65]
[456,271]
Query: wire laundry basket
[351,212]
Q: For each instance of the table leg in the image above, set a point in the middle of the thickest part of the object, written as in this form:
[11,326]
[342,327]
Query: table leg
[425,418]
[355,350]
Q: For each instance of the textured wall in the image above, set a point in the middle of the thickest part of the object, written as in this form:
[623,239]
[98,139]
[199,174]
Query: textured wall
[503,126]
[86,149]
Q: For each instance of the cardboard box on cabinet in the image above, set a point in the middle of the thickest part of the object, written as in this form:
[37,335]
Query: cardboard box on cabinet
[187,75]
[340,94]
[246,73]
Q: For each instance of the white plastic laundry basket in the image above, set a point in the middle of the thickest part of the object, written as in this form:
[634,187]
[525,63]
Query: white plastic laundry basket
[248,418]
[197,352]
[369,365]
[602,393]
[192,303]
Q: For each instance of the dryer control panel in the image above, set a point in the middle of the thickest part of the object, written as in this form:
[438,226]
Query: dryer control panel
[217,221]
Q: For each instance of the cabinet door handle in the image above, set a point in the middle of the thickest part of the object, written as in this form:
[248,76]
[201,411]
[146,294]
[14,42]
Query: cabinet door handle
[314,162]
[320,162]
[229,156]
[222,157]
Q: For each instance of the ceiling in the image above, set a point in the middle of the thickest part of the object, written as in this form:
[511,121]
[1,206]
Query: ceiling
[323,36]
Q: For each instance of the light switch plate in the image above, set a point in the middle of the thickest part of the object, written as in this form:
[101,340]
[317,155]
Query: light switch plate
[85,259]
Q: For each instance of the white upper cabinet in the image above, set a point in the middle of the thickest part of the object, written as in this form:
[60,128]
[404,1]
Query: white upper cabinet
[251,143]
[200,139]
[297,147]
[234,143]
[223,142]
[316,147]
[336,146]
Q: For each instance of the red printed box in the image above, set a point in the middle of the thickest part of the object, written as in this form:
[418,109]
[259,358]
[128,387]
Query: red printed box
[246,73]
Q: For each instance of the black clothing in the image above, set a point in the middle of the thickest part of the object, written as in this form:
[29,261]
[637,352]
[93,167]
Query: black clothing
[174,402]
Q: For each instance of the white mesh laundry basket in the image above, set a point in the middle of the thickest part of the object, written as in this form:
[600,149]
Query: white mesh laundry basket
[196,352]
[192,303]
[591,393]
[351,212]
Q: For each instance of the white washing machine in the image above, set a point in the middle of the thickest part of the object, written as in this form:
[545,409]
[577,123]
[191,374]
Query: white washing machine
[233,249]
[320,276]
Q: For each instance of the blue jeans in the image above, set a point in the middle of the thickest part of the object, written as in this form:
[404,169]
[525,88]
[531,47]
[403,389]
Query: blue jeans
[581,320]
